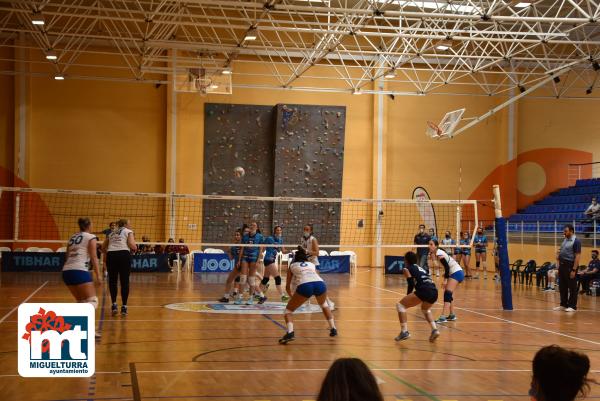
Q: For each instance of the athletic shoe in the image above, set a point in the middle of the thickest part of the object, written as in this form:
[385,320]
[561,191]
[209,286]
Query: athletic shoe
[262,300]
[114,309]
[225,300]
[451,317]
[441,319]
[284,298]
[548,289]
[124,310]
[559,308]
[476,277]
[238,301]
[434,334]
[332,332]
[287,338]
[569,309]
[256,297]
[404,335]
[250,301]
[485,276]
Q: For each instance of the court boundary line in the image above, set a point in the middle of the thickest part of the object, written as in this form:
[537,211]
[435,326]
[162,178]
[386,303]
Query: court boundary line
[499,318]
[25,300]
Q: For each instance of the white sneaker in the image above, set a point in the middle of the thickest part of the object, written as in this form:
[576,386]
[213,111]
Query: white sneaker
[570,310]
[559,308]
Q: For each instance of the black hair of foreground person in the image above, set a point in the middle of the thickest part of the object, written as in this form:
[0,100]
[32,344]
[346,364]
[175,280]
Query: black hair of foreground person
[349,379]
[559,375]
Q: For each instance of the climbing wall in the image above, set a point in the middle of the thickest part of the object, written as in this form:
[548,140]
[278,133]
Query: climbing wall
[309,163]
[237,136]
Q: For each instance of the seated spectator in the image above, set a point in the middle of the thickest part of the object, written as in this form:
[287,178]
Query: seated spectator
[593,210]
[143,248]
[550,272]
[559,375]
[158,249]
[171,251]
[183,251]
[349,379]
[592,272]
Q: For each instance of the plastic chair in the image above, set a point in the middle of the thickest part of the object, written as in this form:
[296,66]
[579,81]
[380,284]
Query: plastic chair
[515,268]
[45,250]
[323,253]
[526,276]
[191,256]
[541,275]
[32,249]
[62,249]
[213,250]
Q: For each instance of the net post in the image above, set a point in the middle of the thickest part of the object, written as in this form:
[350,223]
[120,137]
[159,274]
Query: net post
[501,240]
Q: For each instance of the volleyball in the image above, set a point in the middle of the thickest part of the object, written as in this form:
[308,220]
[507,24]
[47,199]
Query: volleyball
[239,172]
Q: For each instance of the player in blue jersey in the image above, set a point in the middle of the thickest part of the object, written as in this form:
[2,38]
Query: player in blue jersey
[425,294]
[248,259]
[480,241]
[271,269]
[466,252]
[234,253]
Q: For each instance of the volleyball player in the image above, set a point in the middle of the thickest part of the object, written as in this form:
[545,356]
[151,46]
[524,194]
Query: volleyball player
[466,252]
[447,240]
[234,253]
[80,257]
[248,258]
[118,247]
[303,282]
[425,294]
[271,269]
[458,250]
[309,243]
[480,241]
[453,276]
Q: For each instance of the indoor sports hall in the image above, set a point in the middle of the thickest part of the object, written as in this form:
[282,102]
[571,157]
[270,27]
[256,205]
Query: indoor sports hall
[326,200]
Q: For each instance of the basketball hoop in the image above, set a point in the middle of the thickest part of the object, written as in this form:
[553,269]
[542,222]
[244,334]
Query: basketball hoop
[446,127]
[433,130]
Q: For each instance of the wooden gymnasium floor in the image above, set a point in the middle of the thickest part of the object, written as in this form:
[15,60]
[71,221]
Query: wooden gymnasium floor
[161,354]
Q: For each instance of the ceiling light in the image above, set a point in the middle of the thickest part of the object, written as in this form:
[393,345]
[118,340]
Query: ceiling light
[595,65]
[226,71]
[356,91]
[589,90]
[251,34]
[556,80]
[442,47]
[59,77]
[390,74]
[51,55]
[37,18]
[522,5]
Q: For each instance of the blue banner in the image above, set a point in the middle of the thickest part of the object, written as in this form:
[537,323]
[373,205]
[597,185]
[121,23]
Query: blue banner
[334,264]
[32,261]
[150,263]
[212,262]
[394,264]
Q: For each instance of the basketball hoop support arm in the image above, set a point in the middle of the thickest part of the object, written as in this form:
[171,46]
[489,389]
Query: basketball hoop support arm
[551,75]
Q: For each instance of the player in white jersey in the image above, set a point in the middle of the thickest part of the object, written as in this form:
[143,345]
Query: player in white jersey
[303,282]
[80,255]
[309,243]
[118,247]
[453,275]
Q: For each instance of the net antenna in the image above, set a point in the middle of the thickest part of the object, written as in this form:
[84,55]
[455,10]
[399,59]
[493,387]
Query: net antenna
[445,129]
